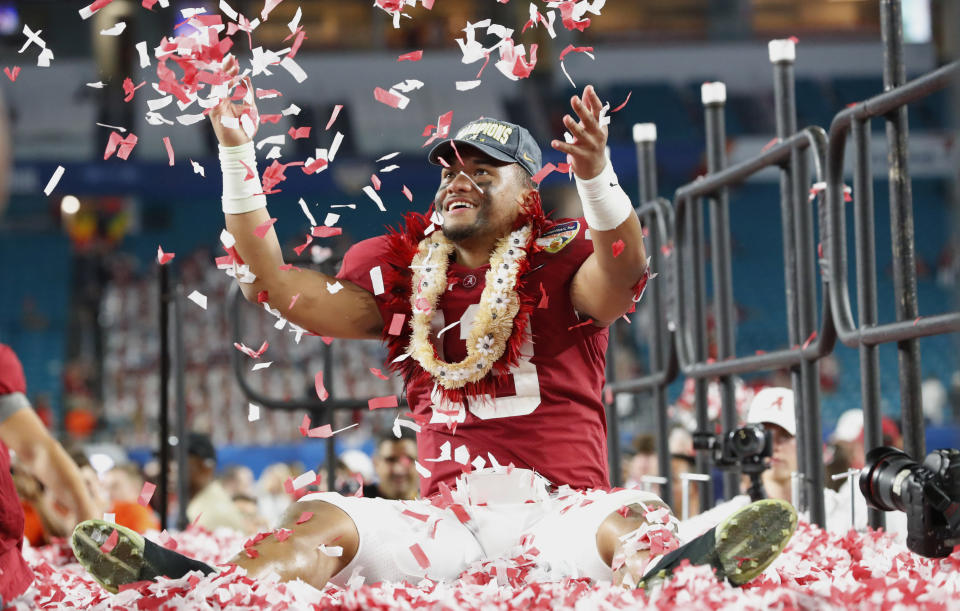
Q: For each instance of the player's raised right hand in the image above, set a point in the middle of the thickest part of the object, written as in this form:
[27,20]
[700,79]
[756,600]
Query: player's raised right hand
[243,112]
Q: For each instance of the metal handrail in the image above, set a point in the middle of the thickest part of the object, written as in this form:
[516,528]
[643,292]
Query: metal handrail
[813,139]
[848,332]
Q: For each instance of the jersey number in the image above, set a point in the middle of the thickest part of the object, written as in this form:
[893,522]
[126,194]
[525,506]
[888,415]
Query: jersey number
[526,383]
[526,397]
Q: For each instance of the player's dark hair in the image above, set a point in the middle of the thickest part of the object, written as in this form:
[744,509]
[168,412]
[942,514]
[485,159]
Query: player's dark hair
[526,181]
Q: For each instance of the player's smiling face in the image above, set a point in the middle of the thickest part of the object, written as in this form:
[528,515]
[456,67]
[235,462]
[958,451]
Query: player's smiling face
[478,196]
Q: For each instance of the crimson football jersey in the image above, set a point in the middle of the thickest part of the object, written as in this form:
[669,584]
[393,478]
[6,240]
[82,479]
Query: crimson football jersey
[15,575]
[547,414]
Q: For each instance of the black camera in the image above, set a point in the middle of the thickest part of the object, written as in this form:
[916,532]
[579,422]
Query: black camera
[929,493]
[746,448]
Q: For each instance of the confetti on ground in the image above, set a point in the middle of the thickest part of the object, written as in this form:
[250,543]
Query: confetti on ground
[253,411]
[12,74]
[817,570]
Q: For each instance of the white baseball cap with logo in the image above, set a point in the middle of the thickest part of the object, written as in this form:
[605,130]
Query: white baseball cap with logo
[774,405]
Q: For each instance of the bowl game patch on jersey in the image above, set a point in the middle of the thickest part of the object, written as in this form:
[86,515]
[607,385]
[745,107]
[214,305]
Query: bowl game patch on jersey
[558,236]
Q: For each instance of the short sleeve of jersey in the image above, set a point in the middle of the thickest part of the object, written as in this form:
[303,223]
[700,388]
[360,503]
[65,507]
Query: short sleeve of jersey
[13,385]
[359,261]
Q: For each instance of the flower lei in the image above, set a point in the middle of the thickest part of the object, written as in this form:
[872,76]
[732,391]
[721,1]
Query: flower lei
[493,324]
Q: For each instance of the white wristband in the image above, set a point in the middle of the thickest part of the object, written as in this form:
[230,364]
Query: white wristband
[239,195]
[605,204]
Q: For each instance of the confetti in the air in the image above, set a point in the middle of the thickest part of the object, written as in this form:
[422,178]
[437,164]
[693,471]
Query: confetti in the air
[198,298]
[164,257]
[54,180]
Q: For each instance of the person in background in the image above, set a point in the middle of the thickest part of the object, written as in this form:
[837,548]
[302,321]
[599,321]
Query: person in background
[123,484]
[40,454]
[354,470]
[845,448]
[246,506]
[643,462]
[211,505]
[42,521]
[773,408]
[847,438]
[683,460]
[238,480]
[272,499]
[397,478]
[933,397]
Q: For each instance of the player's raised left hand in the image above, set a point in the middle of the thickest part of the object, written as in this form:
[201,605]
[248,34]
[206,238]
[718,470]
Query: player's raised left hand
[586,153]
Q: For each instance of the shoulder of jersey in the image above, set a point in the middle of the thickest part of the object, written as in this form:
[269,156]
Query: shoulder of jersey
[556,238]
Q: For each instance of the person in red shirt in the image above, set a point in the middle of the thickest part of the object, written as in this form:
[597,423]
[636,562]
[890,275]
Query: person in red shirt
[41,454]
[497,319]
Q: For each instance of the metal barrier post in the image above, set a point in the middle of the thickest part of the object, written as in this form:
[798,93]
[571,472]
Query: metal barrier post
[645,138]
[698,289]
[901,228]
[183,491]
[782,55]
[164,415]
[714,98]
[863,213]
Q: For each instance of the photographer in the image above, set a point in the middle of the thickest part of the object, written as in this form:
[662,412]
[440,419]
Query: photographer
[773,409]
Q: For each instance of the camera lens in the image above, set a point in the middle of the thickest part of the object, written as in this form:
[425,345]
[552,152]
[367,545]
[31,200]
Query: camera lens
[882,479]
[747,441]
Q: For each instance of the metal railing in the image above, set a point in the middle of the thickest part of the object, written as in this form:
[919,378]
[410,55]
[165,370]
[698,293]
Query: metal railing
[908,328]
[809,344]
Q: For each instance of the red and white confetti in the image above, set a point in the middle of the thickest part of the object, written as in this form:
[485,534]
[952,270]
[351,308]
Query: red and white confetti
[818,570]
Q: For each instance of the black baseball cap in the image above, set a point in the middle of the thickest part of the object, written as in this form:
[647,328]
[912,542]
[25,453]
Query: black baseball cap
[501,140]
[200,445]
